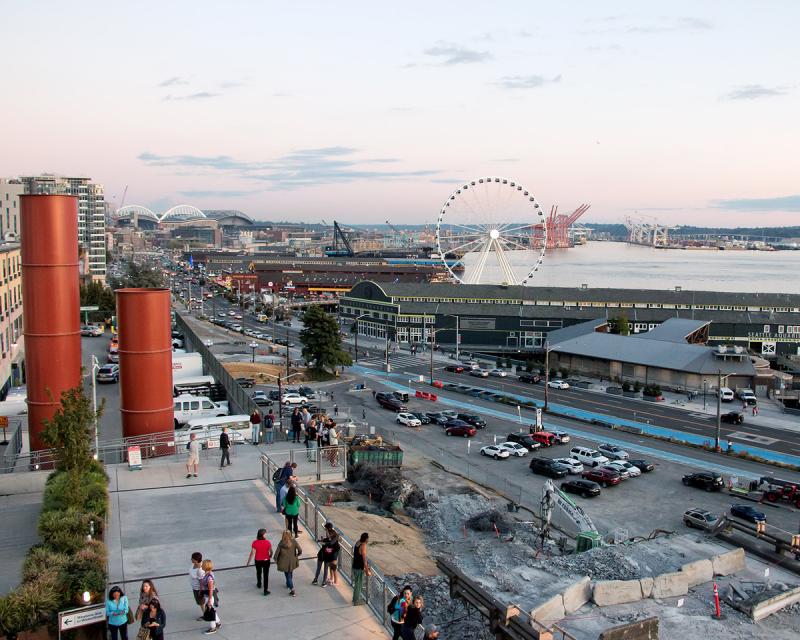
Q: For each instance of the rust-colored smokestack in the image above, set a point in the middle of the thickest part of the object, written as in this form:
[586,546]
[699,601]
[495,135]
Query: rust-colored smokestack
[145,361]
[49,233]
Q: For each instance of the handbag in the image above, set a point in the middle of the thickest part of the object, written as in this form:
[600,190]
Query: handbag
[210,614]
[130,616]
[143,633]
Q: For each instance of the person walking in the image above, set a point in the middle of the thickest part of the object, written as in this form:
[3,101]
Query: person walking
[117,608]
[255,426]
[269,423]
[193,462]
[413,620]
[147,593]
[196,574]
[225,447]
[328,552]
[397,610]
[333,442]
[335,409]
[360,566]
[208,586]
[154,618]
[286,558]
[297,425]
[262,550]
[291,509]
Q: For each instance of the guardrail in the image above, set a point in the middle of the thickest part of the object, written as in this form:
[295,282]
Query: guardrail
[13,448]
[378,592]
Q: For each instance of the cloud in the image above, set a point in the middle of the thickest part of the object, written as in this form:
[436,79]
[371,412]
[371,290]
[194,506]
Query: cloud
[754,92]
[200,95]
[221,193]
[300,168]
[232,84]
[526,82]
[780,203]
[450,54]
[664,24]
[174,81]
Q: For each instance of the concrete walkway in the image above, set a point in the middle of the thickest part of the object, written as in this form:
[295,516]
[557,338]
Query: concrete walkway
[159,517]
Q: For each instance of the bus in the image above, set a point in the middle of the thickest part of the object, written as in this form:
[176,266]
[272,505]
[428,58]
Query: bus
[209,429]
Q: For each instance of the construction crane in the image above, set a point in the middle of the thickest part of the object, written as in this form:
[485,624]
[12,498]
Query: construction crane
[341,245]
[569,517]
[404,238]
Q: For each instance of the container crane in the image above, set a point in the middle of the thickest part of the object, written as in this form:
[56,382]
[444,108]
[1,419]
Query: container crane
[405,239]
[341,247]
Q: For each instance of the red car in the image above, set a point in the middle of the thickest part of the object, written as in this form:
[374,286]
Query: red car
[603,477]
[463,430]
[454,368]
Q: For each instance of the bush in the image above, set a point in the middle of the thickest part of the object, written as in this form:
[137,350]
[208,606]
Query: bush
[64,531]
[31,604]
[42,560]
[637,386]
[626,386]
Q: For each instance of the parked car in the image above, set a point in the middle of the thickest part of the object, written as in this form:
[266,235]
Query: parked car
[525,440]
[479,373]
[622,472]
[584,488]
[495,451]
[623,465]
[108,373]
[699,519]
[642,465]
[454,368]
[574,466]
[544,438]
[708,480]
[589,457]
[247,383]
[293,398]
[558,384]
[113,357]
[437,417]
[529,378]
[92,330]
[393,404]
[465,430]
[422,417]
[562,437]
[473,419]
[603,477]
[726,394]
[732,417]
[262,401]
[514,448]
[612,451]
[548,467]
[746,512]
[409,420]
[455,422]
[274,394]
[498,373]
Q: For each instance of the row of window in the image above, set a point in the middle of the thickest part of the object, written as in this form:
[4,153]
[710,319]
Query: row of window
[12,266]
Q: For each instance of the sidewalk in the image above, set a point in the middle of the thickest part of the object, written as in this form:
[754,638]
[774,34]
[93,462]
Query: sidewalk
[159,517]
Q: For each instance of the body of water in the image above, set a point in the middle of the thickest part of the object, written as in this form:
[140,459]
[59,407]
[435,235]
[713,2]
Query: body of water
[628,266]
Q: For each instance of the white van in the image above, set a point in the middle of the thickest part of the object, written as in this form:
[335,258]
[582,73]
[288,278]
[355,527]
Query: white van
[587,456]
[726,395]
[188,407]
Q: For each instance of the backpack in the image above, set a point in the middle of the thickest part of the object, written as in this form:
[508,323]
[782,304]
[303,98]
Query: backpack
[392,604]
[276,476]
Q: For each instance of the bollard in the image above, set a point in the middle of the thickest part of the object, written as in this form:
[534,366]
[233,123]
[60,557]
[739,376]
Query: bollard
[717,613]
[496,530]
[465,532]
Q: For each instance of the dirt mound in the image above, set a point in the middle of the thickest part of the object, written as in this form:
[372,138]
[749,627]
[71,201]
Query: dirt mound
[263,372]
[490,520]
[386,487]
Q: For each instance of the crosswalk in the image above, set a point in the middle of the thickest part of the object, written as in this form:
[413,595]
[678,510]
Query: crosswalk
[400,362]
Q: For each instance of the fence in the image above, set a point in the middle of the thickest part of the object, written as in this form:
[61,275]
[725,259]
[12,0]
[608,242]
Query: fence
[378,592]
[314,465]
[13,448]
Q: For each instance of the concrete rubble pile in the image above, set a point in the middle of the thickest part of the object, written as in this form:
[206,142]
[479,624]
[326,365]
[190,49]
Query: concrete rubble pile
[386,487]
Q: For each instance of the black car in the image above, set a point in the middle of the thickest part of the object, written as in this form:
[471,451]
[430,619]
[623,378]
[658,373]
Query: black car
[585,488]
[382,394]
[306,391]
[438,418]
[422,417]
[393,404]
[525,440]
[454,368]
[473,419]
[274,394]
[732,417]
[746,512]
[548,467]
[529,378]
[247,383]
[642,465]
[261,401]
[707,480]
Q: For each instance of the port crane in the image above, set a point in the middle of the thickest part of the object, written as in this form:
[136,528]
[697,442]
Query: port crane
[341,247]
[405,239]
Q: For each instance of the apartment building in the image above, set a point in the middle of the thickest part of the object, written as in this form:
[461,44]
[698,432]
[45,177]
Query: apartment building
[10,191]
[12,351]
[91,215]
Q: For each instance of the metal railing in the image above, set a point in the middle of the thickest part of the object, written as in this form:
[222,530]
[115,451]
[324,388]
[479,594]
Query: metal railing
[378,591]
[13,448]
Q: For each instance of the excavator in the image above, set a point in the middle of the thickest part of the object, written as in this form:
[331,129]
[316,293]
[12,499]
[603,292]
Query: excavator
[557,509]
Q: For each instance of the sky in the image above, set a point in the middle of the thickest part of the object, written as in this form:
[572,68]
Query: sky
[684,112]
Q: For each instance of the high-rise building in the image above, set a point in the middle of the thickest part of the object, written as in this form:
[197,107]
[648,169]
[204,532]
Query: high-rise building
[91,215]
[12,351]
[10,191]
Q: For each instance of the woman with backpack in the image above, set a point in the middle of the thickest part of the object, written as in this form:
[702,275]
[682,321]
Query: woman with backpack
[286,558]
[397,609]
[291,509]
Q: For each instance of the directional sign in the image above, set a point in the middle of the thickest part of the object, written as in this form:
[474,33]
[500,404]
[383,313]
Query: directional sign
[74,618]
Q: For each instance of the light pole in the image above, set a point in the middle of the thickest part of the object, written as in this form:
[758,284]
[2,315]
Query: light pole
[705,389]
[95,369]
[253,345]
[355,324]
[546,373]
[458,334]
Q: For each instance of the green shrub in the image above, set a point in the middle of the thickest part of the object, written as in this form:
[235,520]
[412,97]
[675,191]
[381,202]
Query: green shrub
[637,386]
[64,531]
[82,573]
[626,386]
[31,604]
[41,560]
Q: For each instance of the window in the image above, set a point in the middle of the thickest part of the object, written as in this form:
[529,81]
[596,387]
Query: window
[766,328]
[207,404]
[194,406]
[780,328]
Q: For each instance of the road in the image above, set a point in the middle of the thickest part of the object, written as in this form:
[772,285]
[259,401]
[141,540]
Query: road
[110,425]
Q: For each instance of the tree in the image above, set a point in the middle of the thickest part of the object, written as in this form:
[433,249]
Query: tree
[620,325]
[71,431]
[322,343]
[140,277]
[95,294]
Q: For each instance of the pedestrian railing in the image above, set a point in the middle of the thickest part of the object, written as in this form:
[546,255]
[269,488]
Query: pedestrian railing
[377,590]
[13,448]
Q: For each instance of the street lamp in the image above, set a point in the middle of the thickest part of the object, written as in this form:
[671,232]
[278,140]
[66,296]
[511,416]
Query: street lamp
[458,334]
[363,315]
[547,350]
[95,369]
[253,345]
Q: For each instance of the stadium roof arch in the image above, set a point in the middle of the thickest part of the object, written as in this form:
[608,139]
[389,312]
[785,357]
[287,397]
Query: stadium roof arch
[130,210]
[229,215]
[182,212]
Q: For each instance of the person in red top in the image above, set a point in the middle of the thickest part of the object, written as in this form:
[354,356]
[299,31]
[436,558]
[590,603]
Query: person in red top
[262,550]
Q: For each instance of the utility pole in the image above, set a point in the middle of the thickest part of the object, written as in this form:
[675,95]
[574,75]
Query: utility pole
[432,342]
[546,373]
[386,354]
[719,409]
[287,352]
[458,338]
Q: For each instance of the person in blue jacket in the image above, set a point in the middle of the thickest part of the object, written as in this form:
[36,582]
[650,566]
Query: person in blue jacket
[117,613]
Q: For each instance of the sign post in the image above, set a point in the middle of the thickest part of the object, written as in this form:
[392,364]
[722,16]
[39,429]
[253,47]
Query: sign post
[4,424]
[538,418]
[134,458]
[80,617]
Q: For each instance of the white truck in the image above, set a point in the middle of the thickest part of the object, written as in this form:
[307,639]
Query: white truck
[186,365]
[188,407]
[208,430]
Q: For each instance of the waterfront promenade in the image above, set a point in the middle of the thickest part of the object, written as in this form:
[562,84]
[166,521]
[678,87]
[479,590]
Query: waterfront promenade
[158,517]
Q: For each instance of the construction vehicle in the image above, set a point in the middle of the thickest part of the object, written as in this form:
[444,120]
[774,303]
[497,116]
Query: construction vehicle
[558,509]
[776,490]
[341,247]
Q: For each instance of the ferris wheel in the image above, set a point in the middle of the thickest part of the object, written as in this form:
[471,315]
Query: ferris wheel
[496,228]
